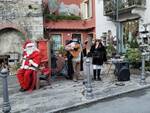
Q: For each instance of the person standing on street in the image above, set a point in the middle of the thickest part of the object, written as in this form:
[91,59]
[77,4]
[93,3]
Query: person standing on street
[85,49]
[98,57]
[69,62]
[74,47]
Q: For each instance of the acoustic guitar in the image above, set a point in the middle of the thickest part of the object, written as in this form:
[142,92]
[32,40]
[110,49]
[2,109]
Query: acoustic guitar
[75,51]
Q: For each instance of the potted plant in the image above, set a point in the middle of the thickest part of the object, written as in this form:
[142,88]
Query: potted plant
[133,55]
[62,51]
[111,51]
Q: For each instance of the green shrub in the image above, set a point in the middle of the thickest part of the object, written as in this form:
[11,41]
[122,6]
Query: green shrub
[54,17]
[133,55]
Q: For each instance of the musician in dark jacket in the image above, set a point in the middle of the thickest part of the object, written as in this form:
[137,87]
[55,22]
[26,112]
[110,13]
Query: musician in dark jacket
[83,54]
[75,49]
[85,49]
[98,53]
[69,63]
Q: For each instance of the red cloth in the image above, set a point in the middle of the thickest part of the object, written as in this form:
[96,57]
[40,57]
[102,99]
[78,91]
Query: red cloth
[27,74]
[43,47]
[46,71]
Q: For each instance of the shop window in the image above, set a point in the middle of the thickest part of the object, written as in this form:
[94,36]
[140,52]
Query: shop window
[77,36]
[56,42]
[129,31]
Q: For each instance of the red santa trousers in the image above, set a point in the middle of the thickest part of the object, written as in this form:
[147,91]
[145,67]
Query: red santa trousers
[27,78]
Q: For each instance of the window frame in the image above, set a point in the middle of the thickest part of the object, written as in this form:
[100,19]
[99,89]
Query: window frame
[58,44]
[86,9]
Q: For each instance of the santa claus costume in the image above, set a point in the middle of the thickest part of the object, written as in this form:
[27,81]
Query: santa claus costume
[27,74]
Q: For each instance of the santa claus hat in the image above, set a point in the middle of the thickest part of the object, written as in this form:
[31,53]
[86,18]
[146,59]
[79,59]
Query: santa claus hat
[28,43]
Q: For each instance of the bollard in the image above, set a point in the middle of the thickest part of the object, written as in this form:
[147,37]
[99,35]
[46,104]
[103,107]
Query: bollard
[142,81]
[88,85]
[6,104]
[85,75]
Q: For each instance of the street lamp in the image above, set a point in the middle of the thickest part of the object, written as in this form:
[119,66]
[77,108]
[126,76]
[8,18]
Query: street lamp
[6,104]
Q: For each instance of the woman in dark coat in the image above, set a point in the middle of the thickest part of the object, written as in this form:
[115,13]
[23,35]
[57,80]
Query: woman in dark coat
[98,57]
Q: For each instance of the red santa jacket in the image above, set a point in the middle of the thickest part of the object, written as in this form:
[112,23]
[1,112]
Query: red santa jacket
[31,61]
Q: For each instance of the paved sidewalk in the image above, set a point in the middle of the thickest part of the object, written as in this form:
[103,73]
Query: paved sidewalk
[64,94]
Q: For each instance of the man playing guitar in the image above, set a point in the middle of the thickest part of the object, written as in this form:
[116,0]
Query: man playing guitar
[74,47]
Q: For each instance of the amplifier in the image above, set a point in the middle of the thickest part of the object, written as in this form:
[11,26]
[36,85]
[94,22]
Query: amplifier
[122,71]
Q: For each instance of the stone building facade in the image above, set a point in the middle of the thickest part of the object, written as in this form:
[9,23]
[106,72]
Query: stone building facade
[19,19]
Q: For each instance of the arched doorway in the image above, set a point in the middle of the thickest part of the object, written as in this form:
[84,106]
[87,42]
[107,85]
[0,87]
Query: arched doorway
[10,45]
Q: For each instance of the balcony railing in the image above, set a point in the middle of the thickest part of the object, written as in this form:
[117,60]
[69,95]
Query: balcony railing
[110,5]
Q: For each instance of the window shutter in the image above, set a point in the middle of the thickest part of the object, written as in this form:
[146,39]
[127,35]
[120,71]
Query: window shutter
[90,8]
[82,5]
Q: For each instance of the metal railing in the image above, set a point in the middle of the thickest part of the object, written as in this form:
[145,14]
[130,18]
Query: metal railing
[110,5]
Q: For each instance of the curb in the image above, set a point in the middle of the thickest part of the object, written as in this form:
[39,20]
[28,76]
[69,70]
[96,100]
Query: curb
[87,102]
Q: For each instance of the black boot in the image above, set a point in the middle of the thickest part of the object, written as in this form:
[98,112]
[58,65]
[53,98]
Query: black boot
[22,90]
[94,74]
[99,72]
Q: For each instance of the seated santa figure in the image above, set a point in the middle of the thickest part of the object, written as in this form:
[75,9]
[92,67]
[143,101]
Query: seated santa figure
[28,71]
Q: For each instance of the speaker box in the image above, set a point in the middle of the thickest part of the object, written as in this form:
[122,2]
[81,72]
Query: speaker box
[122,71]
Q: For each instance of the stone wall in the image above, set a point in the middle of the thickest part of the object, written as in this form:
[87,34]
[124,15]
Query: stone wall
[23,16]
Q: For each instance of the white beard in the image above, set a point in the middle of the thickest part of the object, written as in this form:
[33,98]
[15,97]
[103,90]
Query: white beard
[30,50]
